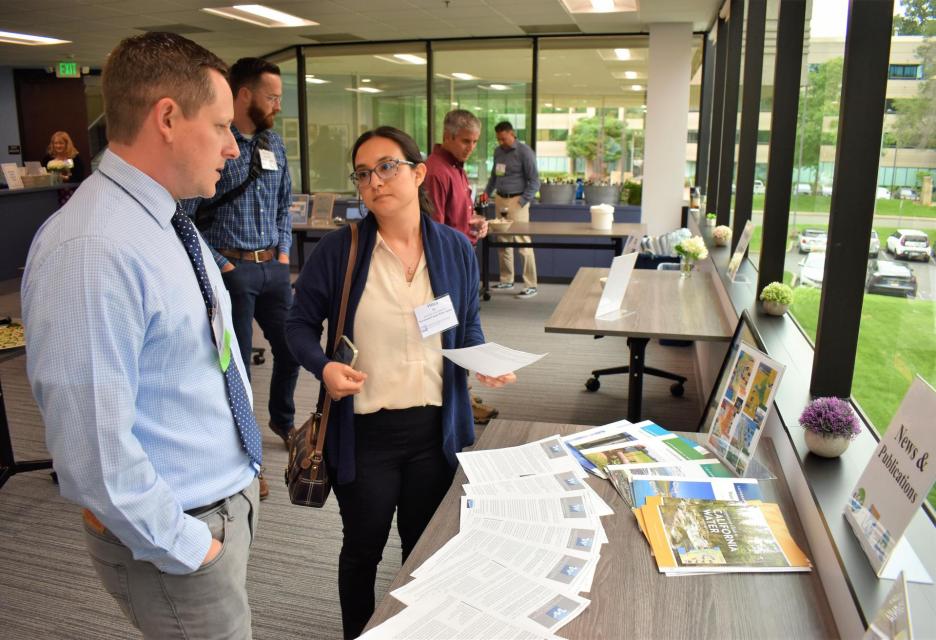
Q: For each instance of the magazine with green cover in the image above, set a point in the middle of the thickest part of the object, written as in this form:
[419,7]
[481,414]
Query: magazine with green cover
[702,536]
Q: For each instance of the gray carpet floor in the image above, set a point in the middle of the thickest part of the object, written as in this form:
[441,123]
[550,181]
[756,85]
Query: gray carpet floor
[48,588]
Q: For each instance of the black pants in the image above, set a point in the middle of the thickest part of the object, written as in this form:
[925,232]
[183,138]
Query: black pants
[400,467]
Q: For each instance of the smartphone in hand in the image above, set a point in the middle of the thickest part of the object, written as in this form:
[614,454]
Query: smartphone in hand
[345,352]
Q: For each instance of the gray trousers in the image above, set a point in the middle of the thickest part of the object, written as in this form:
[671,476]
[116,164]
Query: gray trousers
[208,603]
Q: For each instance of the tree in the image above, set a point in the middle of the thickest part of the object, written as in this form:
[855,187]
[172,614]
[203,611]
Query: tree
[919,18]
[597,140]
[820,100]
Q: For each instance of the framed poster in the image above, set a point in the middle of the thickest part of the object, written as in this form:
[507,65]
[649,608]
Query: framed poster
[299,208]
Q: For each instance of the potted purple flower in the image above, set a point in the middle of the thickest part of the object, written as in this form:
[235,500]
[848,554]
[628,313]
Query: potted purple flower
[830,425]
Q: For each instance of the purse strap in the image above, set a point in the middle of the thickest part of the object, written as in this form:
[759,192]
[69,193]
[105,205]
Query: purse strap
[339,331]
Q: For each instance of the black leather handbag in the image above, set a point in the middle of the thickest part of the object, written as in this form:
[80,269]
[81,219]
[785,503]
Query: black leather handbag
[306,476]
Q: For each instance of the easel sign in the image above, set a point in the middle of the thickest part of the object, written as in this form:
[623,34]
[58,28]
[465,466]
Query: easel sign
[612,297]
[892,621]
[322,206]
[894,485]
[738,255]
[12,175]
[299,208]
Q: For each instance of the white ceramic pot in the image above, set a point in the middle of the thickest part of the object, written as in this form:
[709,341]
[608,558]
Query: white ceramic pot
[721,241]
[827,447]
[775,308]
[602,217]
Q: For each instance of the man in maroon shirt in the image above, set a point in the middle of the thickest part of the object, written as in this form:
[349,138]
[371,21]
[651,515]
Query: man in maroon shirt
[446,181]
[448,188]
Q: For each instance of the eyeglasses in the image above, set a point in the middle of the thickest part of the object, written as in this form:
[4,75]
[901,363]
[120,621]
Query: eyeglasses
[274,99]
[385,171]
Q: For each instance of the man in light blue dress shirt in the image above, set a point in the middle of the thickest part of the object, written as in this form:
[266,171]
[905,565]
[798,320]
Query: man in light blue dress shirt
[122,361]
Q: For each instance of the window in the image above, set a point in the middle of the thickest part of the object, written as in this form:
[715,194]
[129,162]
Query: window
[905,72]
[493,80]
[593,90]
[350,89]
[287,120]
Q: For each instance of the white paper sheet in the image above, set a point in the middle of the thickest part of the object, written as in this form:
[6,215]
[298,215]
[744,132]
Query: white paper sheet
[491,359]
[544,483]
[569,571]
[489,585]
[609,306]
[581,538]
[543,456]
[573,510]
[447,618]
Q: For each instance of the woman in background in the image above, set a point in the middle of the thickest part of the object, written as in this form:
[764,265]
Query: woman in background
[62,148]
[402,412]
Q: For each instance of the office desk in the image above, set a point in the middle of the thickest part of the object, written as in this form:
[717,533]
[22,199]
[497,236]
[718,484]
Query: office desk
[309,232]
[630,598]
[658,304]
[570,230]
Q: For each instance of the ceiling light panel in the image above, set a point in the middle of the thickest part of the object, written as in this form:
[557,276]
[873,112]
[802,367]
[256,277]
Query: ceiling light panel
[260,15]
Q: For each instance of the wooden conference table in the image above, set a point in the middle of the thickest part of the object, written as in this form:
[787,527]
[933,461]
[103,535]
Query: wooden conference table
[658,304]
[629,597]
[571,230]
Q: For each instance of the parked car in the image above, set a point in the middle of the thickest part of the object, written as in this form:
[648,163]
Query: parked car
[882,193]
[890,279]
[826,190]
[811,240]
[812,268]
[875,249]
[759,187]
[802,189]
[909,244]
[906,193]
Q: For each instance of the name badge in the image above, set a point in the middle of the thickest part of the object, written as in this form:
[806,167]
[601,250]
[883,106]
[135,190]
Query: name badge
[500,169]
[222,335]
[267,160]
[436,316]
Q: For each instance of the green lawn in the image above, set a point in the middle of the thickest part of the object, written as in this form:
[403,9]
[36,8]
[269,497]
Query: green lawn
[897,340]
[884,207]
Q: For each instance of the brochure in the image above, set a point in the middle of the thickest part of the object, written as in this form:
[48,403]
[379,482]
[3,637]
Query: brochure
[704,536]
[727,489]
[743,405]
[897,479]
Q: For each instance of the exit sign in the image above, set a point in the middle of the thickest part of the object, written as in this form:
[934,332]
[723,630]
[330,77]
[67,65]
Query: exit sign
[67,69]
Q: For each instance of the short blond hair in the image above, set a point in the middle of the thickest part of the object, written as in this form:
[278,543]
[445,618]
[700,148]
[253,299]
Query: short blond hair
[70,149]
[143,69]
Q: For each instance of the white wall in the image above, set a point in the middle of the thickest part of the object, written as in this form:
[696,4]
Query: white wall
[9,123]
[668,73]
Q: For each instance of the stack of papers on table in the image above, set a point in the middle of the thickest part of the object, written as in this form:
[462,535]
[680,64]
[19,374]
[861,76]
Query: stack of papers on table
[529,542]
[696,516]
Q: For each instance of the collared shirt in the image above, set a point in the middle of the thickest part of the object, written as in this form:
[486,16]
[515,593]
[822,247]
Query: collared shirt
[404,370]
[259,218]
[124,368]
[520,175]
[448,188]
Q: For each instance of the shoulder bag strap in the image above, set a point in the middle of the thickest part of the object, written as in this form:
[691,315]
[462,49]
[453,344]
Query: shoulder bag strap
[342,312]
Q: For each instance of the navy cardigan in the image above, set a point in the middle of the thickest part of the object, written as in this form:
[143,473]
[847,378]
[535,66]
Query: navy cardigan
[453,270]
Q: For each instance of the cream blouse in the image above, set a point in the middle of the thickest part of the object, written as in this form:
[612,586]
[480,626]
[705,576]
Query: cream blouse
[403,369]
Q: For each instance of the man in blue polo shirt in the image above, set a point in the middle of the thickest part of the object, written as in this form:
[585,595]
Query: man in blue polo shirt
[516,180]
[247,225]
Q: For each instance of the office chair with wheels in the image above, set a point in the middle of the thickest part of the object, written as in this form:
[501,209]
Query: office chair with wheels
[662,263]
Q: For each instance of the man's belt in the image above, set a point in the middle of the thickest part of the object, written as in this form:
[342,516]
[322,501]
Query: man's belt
[509,195]
[263,255]
[99,527]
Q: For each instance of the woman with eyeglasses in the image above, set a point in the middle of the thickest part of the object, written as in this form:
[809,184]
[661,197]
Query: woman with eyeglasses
[402,411]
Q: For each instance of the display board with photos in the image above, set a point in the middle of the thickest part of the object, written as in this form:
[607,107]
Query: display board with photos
[736,413]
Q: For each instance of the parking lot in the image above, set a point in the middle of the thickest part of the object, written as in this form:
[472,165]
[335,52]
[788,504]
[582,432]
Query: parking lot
[925,272]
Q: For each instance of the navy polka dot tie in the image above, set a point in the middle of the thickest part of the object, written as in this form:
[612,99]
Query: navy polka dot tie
[244,418]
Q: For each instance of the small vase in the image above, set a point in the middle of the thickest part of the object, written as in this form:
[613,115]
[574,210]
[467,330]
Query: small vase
[721,241]
[710,222]
[774,308]
[826,446]
[685,266]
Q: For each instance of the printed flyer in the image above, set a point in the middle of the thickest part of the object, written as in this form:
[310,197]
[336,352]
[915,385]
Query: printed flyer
[743,405]
[897,479]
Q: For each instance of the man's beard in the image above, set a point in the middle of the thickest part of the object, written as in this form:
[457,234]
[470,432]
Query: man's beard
[262,121]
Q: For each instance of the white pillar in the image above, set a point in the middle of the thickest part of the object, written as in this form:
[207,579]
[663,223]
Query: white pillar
[666,126]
